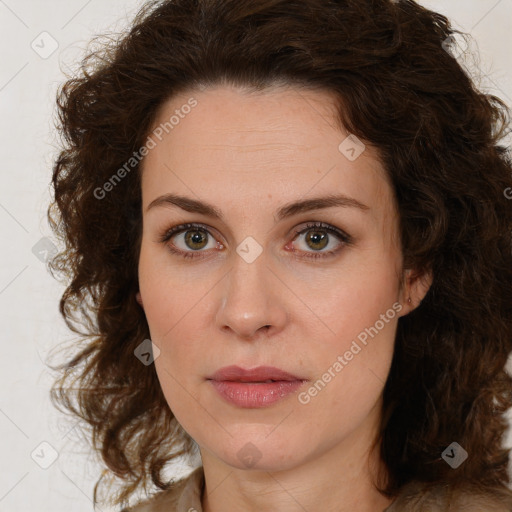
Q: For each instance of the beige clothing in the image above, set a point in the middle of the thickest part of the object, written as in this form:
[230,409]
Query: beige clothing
[185,496]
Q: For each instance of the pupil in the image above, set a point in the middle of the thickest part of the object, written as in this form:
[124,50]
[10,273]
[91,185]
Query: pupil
[317,237]
[195,238]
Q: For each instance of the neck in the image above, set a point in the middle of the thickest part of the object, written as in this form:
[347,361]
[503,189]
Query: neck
[340,479]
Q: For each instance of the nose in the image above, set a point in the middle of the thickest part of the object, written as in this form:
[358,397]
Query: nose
[252,301]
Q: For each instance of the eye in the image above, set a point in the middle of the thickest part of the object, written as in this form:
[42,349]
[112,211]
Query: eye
[318,237]
[197,237]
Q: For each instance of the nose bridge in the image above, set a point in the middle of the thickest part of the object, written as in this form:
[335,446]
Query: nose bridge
[249,300]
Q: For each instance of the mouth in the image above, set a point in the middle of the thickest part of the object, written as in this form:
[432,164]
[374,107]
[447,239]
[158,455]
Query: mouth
[255,388]
[259,375]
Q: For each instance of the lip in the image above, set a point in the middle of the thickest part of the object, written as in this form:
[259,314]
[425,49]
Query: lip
[258,374]
[251,388]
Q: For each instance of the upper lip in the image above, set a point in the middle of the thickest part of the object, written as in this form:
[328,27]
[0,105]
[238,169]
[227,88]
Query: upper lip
[258,374]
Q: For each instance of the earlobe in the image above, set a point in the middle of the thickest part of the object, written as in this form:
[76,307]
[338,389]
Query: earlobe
[138,297]
[416,286]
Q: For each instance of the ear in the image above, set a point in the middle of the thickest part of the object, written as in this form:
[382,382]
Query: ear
[138,297]
[414,288]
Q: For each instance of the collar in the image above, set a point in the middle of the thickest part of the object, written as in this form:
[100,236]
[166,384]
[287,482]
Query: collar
[190,498]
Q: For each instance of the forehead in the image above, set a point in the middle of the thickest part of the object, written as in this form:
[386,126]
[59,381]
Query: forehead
[239,144]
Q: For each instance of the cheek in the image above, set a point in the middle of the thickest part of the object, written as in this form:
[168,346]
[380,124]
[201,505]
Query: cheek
[351,300]
[174,306]
[166,296]
[353,355]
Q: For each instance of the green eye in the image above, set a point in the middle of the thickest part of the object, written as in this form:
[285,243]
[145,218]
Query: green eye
[317,237]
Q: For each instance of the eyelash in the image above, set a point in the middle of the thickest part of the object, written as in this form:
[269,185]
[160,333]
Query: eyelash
[344,237]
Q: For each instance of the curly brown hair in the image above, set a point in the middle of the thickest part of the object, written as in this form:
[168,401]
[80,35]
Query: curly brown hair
[440,140]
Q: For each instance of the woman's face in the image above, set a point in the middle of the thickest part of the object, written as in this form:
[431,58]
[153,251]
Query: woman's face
[245,289]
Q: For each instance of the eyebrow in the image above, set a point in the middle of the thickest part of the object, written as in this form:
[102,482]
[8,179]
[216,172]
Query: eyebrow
[318,203]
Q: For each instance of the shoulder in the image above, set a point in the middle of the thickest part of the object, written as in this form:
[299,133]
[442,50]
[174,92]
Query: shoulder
[184,495]
[463,497]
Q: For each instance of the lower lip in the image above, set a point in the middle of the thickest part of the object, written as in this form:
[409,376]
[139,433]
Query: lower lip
[255,394]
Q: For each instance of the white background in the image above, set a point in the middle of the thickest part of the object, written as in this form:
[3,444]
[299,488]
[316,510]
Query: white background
[31,324]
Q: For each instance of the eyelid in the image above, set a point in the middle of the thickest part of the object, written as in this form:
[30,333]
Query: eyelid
[344,238]
[180,228]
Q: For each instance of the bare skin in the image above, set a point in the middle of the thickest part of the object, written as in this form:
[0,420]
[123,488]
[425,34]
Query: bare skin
[249,155]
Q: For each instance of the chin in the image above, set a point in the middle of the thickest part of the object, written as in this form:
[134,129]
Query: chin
[259,452]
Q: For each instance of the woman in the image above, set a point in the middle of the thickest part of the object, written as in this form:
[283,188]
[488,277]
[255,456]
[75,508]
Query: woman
[290,222]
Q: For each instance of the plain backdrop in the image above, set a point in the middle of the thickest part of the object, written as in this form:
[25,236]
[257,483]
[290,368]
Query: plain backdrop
[46,466]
